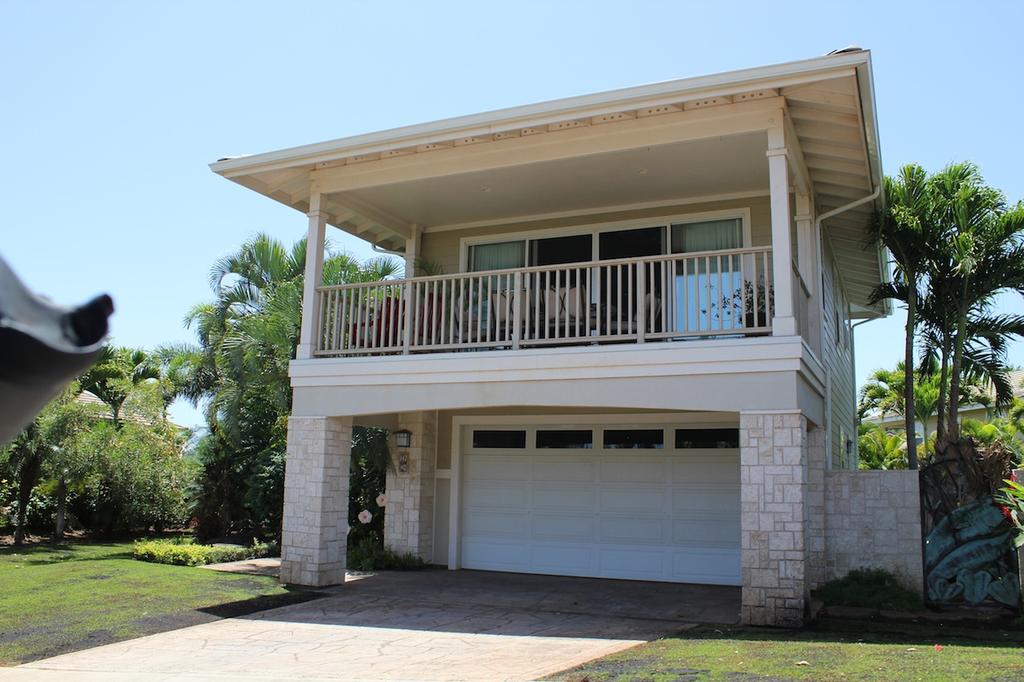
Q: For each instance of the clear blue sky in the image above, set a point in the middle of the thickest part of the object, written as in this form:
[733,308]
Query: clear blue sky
[111,111]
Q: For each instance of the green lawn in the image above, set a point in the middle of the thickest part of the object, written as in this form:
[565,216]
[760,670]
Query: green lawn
[839,651]
[59,598]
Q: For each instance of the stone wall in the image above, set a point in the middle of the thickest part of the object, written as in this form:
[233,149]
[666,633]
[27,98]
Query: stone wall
[315,523]
[873,520]
[409,515]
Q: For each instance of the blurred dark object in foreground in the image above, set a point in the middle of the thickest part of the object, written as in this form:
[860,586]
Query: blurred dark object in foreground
[42,348]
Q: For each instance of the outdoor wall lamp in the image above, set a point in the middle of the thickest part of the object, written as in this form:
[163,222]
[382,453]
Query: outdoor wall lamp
[403,438]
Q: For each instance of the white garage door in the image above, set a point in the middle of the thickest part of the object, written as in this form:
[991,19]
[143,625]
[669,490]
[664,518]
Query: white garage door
[643,503]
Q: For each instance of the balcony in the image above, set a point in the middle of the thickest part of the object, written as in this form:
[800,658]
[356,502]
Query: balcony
[711,294]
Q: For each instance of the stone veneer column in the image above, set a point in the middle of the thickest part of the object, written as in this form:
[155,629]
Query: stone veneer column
[315,524]
[773,479]
[409,515]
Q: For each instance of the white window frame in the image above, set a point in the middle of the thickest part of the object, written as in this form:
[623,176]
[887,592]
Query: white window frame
[595,229]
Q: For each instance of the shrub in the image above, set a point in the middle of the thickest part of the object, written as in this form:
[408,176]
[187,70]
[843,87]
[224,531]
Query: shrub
[184,552]
[869,588]
[369,555]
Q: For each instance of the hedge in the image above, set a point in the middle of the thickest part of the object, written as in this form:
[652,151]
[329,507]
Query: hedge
[187,553]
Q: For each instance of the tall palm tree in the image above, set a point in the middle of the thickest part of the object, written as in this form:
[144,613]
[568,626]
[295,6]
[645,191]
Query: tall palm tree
[905,228]
[984,241]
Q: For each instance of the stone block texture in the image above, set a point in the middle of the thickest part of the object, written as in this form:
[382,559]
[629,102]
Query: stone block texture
[873,520]
[773,541]
[315,524]
[409,515]
[814,508]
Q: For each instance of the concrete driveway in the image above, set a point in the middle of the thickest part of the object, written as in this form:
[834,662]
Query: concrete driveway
[431,625]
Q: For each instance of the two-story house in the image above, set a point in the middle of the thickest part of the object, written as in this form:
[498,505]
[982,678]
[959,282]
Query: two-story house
[626,351]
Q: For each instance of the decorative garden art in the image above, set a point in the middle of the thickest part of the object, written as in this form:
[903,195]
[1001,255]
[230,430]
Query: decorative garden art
[968,550]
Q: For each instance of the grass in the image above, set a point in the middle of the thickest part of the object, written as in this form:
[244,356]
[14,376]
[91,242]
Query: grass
[838,650]
[60,598]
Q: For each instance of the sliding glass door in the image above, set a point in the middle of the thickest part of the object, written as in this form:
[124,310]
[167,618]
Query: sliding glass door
[708,290]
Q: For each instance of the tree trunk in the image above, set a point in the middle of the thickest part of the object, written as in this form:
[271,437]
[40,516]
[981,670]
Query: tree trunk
[940,419]
[953,425]
[62,503]
[909,413]
[27,476]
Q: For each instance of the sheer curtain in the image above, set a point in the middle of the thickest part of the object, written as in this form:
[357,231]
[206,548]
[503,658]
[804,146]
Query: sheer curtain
[707,299]
[496,256]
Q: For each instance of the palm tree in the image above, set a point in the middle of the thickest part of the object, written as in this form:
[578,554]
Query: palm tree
[114,375]
[880,449]
[246,338]
[984,244]
[905,229]
[884,393]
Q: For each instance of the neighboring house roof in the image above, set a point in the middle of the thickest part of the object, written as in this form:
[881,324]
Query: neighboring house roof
[830,111]
[89,398]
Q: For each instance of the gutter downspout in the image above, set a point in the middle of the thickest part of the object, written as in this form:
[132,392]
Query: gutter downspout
[828,373]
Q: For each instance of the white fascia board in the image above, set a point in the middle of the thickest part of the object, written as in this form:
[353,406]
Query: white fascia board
[737,356]
[777,75]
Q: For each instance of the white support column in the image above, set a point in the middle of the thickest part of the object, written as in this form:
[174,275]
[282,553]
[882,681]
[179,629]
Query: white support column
[315,239]
[784,322]
[412,251]
[807,255]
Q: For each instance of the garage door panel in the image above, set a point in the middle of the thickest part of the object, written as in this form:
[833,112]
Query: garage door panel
[634,499]
[553,498]
[633,563]
[564,527]
[721,469]
[710,566]
[497,524]
[497,468]
[695,531]
[712,499]
[563,559]
[634,530]
[512,496]
[631,468]
[568,469]
[495,555]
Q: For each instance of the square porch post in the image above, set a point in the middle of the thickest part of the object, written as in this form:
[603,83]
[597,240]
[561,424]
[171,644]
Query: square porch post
[315,239]
[784,321]
[315,524]
[773,517]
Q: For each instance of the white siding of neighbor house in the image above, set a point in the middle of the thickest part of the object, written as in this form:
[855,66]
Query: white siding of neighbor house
[837,356]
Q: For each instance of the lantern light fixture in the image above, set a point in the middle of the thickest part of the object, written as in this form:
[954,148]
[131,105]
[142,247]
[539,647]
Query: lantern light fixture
[403,438]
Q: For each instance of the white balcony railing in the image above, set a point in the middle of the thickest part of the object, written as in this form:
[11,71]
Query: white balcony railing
[708,294]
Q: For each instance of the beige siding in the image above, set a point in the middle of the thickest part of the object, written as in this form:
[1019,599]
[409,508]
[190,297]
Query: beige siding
[838,360]
[442,249]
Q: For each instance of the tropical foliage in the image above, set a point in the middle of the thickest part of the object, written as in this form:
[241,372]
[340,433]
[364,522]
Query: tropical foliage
[238,370]
[110,467]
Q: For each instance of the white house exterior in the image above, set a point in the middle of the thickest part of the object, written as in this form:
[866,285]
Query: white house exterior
[637,361]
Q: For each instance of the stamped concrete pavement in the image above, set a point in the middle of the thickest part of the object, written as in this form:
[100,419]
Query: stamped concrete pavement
[433,625]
